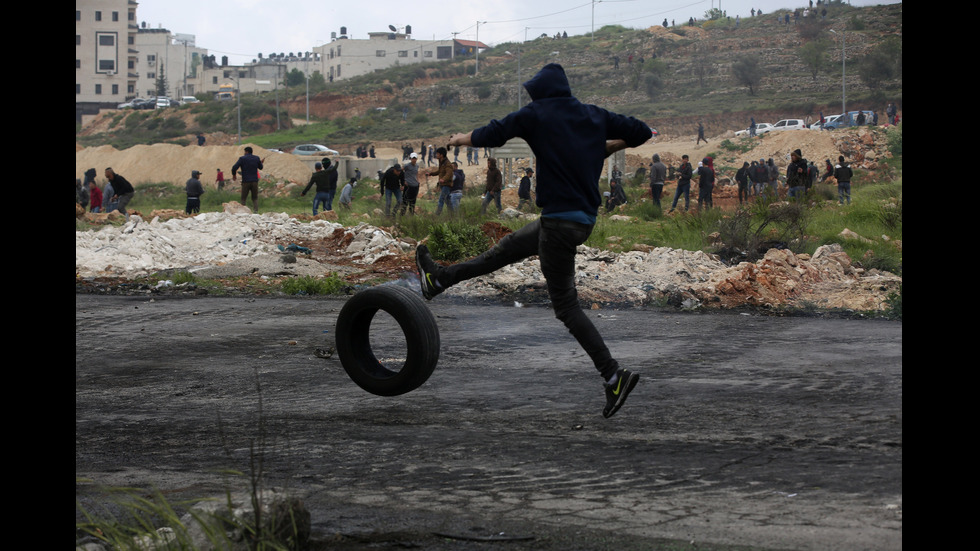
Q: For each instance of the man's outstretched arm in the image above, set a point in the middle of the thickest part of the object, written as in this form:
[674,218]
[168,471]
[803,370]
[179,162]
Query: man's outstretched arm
[461,139]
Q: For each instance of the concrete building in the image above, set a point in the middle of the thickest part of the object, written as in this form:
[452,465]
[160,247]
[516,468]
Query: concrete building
[105,55]
[346,57]
[172,57]
[117,60]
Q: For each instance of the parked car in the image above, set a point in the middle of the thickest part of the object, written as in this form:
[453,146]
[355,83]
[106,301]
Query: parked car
[189,99]
[788,124]
[851,119]
[817,125]
[314,149]
[136,103]
[760,128]
[162,101]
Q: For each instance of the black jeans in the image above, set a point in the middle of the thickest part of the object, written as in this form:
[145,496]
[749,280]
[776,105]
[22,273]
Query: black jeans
[554,241]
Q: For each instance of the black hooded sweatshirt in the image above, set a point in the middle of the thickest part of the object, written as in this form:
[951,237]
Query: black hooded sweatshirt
[568,138]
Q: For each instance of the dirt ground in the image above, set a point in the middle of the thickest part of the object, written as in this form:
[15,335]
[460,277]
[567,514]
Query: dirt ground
[745,431]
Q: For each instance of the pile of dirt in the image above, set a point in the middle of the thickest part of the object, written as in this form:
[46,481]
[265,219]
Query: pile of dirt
[143,164]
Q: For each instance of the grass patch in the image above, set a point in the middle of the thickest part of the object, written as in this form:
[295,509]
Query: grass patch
[309,285]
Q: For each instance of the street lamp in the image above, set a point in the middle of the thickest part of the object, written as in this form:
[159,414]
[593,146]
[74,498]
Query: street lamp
[843,72]
[476,70]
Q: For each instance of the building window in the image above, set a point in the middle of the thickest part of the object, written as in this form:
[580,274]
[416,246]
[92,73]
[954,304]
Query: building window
[444,52]
[154,75]
[402,53]
[98,88]
[115,16]
[338,71]
[78,40]
[78,88]
[107,66]
[115,89]
[379,53]
[107,40]
[427,53]
[98,16]
[78,63]
[416,52]
[78,15]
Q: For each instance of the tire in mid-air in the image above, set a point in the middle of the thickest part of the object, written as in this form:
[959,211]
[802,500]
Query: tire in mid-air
[354,346]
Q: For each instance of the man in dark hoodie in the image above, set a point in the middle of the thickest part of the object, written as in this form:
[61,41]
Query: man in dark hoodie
[570,141]
[843,174]
[684,174]
[706,184]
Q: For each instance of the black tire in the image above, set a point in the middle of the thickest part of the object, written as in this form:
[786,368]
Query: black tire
[354,346]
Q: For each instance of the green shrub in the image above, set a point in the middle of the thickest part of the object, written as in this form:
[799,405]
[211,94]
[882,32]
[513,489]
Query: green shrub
[894,139]
[309,285]
[455,241]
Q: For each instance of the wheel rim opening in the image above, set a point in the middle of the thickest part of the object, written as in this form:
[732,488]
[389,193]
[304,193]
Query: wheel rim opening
[387,341]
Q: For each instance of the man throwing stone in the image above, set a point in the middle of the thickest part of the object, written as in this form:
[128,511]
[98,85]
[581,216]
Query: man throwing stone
[570,140]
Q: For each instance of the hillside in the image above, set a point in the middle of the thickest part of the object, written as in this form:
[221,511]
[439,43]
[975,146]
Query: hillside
[677,77]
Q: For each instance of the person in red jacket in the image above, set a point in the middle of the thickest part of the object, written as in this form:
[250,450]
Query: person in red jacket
[95,197]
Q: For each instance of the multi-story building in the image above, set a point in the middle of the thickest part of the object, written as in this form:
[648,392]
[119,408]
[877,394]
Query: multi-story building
[117,60]
[172,59]
[105,58]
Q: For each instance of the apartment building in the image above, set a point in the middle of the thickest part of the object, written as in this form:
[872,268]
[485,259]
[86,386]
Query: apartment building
[105,57]
[117,59]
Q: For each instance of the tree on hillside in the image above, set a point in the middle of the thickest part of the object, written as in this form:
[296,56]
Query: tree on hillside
[161,83]
[813,54]
[748,72]
[295,78]
[812,28]
[882,64]
[701,63]
[653,81]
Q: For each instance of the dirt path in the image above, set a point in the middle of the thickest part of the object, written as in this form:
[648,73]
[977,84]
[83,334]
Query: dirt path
[774,433]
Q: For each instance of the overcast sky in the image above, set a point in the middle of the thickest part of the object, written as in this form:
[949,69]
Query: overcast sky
[241,29]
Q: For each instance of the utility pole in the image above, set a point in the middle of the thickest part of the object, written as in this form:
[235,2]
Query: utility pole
[477,69]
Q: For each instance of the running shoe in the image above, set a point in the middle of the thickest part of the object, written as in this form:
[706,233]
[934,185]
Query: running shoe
[428,270]
[616,393]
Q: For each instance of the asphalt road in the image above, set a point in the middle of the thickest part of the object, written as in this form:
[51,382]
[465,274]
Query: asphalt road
[745,430]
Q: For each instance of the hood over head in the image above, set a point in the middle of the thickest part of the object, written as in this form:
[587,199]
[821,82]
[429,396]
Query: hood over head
[550,82]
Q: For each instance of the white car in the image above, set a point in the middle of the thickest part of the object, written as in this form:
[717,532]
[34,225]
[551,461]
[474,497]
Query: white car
[788,124]
[760,128]
[827,120]
[189,99]
[313,149]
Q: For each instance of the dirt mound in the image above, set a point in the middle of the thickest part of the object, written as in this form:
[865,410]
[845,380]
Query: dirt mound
[142,164]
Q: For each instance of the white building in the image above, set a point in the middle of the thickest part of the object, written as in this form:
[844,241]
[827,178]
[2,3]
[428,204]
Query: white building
[345,57]
[174,57]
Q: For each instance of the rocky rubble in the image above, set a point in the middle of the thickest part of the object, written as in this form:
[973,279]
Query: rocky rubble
[225,244]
